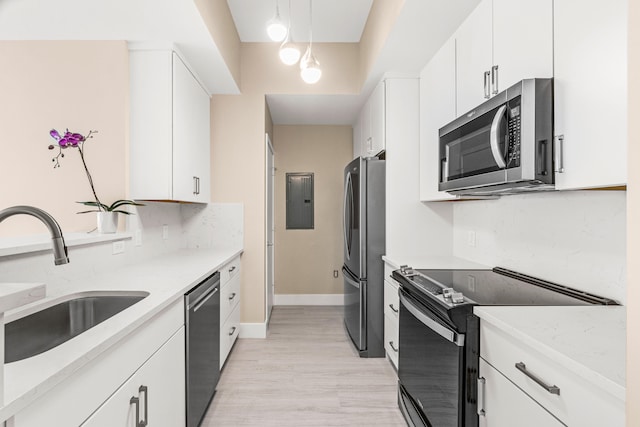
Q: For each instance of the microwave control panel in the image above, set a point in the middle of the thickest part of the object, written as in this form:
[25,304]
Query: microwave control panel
[514,131]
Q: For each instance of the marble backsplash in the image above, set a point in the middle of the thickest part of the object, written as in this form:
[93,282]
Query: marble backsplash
[189,226]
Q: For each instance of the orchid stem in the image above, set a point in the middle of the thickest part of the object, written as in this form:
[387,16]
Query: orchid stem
[89,175]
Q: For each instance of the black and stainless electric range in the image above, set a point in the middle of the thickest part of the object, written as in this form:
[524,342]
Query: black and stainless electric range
[440,336]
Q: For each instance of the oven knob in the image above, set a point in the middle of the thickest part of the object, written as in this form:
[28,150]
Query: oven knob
[457,297]
[447,292]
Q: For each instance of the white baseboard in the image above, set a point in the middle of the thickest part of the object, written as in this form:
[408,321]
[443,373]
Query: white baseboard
[253,330]
[308,299]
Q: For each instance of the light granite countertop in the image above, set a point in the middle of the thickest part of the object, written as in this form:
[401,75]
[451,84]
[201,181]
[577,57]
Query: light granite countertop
[589,341]
[165,278]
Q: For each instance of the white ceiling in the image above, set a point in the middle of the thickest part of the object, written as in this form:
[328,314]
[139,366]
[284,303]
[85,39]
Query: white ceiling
[333,20]
[422,27]
[160,22]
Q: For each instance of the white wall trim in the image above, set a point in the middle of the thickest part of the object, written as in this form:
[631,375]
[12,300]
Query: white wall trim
[253,330]
[308,299]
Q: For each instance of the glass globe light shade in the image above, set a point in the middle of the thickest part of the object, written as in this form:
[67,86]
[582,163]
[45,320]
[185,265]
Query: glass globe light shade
[310,68]
[289,52]
[276,29]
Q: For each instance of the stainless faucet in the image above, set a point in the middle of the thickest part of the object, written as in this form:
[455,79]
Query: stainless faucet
[59,248]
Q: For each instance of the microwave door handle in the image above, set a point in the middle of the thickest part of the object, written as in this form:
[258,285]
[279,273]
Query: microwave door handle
[493,140]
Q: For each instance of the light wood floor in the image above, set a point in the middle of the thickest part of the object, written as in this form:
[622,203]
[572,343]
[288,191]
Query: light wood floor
[305,373]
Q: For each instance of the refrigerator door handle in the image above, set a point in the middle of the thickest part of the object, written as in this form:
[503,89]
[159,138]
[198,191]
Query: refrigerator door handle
[346,224]
[348,279]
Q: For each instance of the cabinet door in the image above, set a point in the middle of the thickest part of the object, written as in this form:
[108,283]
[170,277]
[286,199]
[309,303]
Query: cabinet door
[437,108]
[505,405]
[590,61]
[474,56]
[365,122]
[357,138]
[377,111]
[163,375]
[191,140]
[522,40]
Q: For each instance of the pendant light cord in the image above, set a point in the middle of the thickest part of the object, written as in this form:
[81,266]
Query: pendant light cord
[310,23]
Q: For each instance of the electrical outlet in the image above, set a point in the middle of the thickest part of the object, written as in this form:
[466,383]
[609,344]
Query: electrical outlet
[471,238]
[335,273]
[137,238]
[471,283]
[118,247]
[165,232]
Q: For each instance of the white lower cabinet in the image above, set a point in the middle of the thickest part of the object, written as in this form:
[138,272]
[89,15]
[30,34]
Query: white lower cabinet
[505,405]
[153,395]
[531,374]
[391,315]
[229,307]
[99,393]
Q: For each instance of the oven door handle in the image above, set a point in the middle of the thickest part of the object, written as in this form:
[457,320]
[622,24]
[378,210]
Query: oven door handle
[495,128]
[444,332]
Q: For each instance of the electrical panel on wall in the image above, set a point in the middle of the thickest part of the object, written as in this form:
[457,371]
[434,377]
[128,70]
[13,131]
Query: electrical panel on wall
[300,201]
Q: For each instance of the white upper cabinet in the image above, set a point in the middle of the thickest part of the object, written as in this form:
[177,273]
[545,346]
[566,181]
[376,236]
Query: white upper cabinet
[474,56]
[437,108]
[357,137]
[170,129]
[371,122]
[501,43]
[590,54]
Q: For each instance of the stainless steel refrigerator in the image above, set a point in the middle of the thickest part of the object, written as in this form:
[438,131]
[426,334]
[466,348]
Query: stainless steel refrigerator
[364,245]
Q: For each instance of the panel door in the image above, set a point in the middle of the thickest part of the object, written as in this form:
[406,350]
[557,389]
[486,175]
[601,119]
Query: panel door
[590,60]
[163,375]
[378,119]
[437,108]
[474,57]
[191,136]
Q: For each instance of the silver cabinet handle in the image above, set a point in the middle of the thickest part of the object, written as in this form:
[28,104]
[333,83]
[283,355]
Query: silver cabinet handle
[205,299]
[369,144]
[232,331]
[494,80]
[195,185]
[136,401]
[559,154]
[144,389]
[232,296]
[392,346]
[395,310]
[487,93]
[231,270]
[481,382]
[550,388]
[493,137]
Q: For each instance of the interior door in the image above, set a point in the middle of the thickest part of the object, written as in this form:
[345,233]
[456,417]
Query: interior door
[270,228]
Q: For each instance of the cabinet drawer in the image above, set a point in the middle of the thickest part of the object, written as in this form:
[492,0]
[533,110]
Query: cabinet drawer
[579,402]
[229,270]
[229,333]
[503,403]
[391,299]
[229,297]
[391,339]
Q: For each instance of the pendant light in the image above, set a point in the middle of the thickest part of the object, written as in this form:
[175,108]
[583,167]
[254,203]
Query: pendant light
[309,66]
[275,27]
[289,53]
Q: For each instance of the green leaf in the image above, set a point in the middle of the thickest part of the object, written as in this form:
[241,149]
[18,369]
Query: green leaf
[83,212]
[122,212]
[123,202]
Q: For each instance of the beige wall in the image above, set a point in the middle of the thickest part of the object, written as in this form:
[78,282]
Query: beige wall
[238,125]
[382,16]
[305,259]
[82,85]
[633,223]
[217,17]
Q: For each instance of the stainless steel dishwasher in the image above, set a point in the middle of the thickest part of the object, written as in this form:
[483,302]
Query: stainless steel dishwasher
[202,320]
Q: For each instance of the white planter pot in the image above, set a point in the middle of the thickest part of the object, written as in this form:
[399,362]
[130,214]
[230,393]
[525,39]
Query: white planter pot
[107,222]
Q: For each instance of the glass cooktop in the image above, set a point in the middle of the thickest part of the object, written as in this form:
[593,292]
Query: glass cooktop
[495,287]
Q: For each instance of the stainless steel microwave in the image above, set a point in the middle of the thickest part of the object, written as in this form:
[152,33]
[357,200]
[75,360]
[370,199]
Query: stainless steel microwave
[504,146]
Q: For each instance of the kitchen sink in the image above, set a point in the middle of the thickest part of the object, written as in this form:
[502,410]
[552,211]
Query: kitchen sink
[48,328]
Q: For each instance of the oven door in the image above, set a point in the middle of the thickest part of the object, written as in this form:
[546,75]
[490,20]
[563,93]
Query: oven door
[430,367]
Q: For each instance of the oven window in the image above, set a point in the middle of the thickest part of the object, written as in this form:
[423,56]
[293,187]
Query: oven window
[466,151]
[431,370]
